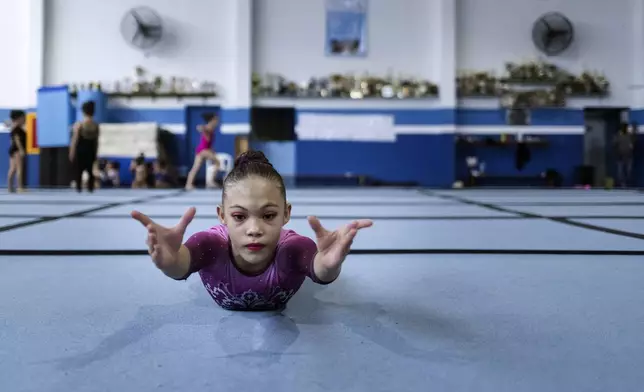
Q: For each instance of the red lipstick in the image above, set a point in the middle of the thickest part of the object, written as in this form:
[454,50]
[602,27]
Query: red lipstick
[255,247]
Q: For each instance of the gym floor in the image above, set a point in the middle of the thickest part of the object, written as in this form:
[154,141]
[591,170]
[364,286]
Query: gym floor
[468,290]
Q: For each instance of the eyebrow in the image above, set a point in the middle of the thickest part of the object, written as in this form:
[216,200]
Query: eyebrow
[262,207]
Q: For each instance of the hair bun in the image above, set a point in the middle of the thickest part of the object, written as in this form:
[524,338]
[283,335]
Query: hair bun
[249,157]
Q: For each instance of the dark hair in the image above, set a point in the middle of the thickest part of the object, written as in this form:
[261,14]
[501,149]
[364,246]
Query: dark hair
[208,117]
[16,114]
[89,108]
[254,163]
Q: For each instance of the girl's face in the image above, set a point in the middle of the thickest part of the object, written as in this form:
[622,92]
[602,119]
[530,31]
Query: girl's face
[254,211]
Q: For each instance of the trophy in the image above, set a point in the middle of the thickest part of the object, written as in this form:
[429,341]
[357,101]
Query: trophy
[357,91]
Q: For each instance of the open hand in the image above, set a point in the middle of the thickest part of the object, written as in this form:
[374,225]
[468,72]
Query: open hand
[163,242]
[333,246]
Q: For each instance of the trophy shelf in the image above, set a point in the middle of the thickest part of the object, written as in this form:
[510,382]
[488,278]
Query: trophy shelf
[153,96]
[344,87]
[146,86]
[341,98]
[535,75]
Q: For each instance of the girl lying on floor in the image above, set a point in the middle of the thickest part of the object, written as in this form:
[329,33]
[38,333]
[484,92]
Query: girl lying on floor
[249,261]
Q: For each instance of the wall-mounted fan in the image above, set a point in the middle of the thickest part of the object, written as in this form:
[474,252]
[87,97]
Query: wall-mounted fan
[552,33]
[142,27]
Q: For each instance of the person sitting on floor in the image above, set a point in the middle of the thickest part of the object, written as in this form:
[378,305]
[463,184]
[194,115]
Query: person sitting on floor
[161,176]
[139,172]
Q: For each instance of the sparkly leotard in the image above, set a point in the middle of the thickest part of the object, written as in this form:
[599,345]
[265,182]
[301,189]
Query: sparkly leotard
[234,290]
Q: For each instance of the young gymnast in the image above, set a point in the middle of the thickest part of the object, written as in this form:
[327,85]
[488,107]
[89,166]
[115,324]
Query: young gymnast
[204,151]
[249,261]
[83,148]
[139,170]
[17,147]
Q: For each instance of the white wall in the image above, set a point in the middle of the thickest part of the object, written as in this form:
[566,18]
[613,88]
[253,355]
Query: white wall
[289,39]
[83,41]
[492,32]
[21,46]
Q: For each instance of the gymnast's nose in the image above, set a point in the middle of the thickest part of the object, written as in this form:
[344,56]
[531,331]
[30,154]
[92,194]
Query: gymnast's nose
[254,228]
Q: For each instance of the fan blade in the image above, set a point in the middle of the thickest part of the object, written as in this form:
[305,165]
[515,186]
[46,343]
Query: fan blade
[559,33]
[140,41]
[558,37]
[137,18]
[153,31]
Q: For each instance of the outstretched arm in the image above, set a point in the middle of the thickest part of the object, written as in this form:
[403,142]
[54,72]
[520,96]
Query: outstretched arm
[180,268]
[164,244]
[333,247]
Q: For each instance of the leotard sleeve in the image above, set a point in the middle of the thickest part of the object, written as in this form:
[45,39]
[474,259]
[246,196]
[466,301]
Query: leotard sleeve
[206,247]
[300,252]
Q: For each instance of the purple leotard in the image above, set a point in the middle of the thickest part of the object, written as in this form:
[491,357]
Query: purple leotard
[204,143]
[232,289]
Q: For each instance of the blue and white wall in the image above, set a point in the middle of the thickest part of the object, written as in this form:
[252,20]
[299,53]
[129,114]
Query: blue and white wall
[207,40]
[225,41]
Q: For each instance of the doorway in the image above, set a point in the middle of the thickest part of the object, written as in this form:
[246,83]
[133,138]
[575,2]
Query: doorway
[601,124]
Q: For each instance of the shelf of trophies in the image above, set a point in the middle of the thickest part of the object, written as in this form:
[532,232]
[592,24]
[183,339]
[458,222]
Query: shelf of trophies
[347,87]
[142,85]
[547,83]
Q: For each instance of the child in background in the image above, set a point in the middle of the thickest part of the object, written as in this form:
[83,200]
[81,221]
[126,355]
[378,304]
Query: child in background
[139,172]
[624,143]
[161,174]
[109,175]
[113,174]
[17,150]
[83,148]
[204,151]
[249,261]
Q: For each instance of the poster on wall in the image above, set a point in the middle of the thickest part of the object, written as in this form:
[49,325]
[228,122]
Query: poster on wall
[128,140]
[346,28]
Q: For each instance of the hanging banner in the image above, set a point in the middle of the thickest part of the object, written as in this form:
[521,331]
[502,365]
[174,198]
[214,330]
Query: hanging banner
[346,28]
[32,135]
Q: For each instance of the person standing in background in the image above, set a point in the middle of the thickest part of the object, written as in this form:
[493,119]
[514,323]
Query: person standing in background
[83,149]
[625,144]
[17,150]
[204,151]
